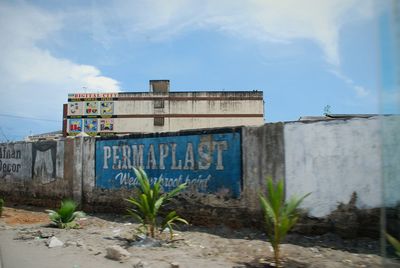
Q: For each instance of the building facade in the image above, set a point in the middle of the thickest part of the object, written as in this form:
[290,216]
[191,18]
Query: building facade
[160,110]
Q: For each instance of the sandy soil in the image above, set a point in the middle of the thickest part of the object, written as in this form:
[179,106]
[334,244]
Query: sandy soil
[24,234]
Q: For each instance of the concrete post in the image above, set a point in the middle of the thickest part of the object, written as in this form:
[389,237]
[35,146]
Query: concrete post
[77,171]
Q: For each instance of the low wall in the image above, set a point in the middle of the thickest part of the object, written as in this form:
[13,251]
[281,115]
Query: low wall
[333,160]
[338,161]
[33,173]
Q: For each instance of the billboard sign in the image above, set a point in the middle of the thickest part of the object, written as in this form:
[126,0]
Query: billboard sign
[208,163]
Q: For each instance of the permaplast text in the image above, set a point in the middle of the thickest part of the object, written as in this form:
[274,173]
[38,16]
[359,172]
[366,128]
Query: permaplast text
[203,156]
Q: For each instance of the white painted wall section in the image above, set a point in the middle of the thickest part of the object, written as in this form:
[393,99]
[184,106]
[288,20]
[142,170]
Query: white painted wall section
[333,159]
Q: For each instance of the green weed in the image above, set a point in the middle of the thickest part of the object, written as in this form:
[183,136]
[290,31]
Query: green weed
[66,216]
[148,204]
[280,216]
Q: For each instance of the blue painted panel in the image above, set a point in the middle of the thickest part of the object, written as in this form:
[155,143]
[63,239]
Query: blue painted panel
[209,163]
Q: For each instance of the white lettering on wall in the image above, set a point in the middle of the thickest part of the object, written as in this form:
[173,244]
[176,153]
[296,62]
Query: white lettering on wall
[193,183]
[221,146]
[174,166]
[107,155]
[189,157]
[208,154]
[151,158]
[204,154]
[163,153]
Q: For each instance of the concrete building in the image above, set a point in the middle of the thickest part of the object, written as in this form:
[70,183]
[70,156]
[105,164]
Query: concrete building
[160,110]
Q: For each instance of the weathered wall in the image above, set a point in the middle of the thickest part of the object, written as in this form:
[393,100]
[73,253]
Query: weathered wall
[15,161]
[391,159]
[126,125]
[391,172]
[333,159]
[337,161]
[263,156]
[38,176]
[340,162]
[209,161]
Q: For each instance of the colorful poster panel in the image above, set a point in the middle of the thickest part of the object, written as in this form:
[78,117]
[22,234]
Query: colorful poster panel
[91,108]
[91,126]
[75,108]
[107,125]
[106,108]
[74,126]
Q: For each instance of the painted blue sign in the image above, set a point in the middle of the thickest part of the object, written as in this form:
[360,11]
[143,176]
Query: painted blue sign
[208,163]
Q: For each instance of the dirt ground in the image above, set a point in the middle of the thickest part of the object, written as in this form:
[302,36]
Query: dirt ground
[25,232]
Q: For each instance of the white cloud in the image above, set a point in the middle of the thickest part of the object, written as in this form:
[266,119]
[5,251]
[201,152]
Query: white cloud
[359,90]
[283,21]
[32,75]
[30,72]
[263,20]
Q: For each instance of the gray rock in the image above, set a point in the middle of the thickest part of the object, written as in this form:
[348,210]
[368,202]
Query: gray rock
[138,263]
[117,253]
[46,234]
[25,234]
[174,265]
[70,244]
[126,235]
[147,243]
[79,243]
[54,242]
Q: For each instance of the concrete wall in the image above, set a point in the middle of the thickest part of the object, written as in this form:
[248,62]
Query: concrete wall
[338,161]
[333,159]
[15,161]
[39,176]
[263,156]
[126,125]
[145,107]
[390,139]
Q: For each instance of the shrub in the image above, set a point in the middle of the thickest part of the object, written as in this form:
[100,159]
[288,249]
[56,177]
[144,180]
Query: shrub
[148,204]
[66,216]
[280,216]
[1,206]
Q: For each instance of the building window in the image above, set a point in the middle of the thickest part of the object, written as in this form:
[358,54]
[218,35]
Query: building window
[159,104]
[159,121]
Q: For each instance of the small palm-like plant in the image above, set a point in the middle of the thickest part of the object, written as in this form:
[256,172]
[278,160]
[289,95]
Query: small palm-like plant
[395,243]
[1,206]
[66,216]
[280,216]
[148,204]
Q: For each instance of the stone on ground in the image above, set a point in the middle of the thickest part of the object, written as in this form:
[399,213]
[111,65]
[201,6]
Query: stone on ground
[117,253]
[55,242]
[174,265]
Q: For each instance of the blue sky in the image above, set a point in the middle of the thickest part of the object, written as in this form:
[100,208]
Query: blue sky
[303,55]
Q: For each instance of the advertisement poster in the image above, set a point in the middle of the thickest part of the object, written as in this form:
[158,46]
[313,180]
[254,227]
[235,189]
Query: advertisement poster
[74,126]
[107,125]
[75,108]
[91,108]
[208,163]
[106,108]
[91,126]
